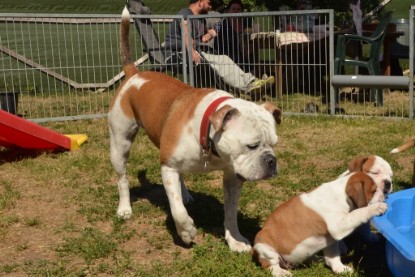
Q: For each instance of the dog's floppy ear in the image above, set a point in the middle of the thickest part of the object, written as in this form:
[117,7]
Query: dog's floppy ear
[360,189]
[356,165]
[221,117]
[276,113]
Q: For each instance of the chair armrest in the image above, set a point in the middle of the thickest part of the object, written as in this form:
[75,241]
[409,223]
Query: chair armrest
[348,37]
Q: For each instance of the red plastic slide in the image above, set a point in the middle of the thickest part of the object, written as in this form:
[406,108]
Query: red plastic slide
[19,132]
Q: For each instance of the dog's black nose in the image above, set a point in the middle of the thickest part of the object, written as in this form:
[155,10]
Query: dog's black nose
[387,187]
[270,160]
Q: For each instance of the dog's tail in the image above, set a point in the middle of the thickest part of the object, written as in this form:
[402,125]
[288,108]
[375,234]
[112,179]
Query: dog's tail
[407,145]
[128,65]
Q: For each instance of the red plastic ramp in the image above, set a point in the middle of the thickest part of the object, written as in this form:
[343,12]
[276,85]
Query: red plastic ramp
[19,132]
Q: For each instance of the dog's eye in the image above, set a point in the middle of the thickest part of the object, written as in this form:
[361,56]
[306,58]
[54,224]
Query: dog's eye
[253,146]
[374,173]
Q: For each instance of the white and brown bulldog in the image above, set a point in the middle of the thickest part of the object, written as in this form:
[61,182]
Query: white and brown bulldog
[317,220]
[196,130]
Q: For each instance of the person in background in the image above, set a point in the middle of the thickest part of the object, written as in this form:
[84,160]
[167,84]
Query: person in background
[305,22]
[229,39]
[223,65]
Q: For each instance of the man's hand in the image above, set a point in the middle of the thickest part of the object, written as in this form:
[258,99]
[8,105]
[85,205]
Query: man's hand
[209,35]
[196,57]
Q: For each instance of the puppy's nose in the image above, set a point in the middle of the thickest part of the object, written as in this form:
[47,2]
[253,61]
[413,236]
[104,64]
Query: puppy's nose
[387,187]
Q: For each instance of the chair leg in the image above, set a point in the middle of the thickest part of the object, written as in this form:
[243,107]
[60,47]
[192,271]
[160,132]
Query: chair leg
[376,94]
[336,95]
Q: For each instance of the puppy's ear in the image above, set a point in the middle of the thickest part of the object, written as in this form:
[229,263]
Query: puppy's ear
[221,117]
[360,189]
[276,113]
[356,165]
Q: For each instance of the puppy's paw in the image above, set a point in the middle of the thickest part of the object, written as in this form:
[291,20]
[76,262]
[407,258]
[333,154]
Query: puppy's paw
[278,271]
[186,230]
[378,208]
[341,268]
[124,212]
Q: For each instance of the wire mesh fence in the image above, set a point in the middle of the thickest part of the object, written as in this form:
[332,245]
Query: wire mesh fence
[62,67]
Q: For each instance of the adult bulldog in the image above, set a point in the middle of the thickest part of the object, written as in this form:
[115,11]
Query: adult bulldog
[196,130]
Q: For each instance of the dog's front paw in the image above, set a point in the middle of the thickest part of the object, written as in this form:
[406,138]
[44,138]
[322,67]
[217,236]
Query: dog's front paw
[238,244]
[378,208]
[124,212]
[186,230]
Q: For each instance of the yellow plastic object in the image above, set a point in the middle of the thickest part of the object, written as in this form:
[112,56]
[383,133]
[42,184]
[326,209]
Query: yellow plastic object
[77,140]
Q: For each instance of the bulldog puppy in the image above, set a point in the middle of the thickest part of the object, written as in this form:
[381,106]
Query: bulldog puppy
[381,171]
[196,130]
[316,221]
[403,147]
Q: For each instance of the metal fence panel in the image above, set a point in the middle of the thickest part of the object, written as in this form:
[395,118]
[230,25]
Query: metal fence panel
[63,67]
[68,66]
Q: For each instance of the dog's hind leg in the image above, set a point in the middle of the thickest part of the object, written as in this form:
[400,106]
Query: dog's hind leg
[270,259]
[122,135]
[332,259]
[173,186]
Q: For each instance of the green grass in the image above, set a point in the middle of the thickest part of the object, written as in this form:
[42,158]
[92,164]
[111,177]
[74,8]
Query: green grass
[90,6]
[401,8]
[71,199]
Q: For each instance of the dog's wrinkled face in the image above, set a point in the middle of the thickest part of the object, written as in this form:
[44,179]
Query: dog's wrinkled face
[377,168]
[244,138]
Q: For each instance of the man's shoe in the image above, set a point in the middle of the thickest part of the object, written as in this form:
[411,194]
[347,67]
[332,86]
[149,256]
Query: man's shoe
[259,85]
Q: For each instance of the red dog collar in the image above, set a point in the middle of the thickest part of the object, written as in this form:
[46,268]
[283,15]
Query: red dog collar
[205,124]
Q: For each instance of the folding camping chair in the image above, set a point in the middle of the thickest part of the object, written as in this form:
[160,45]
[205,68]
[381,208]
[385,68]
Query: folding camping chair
[149,37]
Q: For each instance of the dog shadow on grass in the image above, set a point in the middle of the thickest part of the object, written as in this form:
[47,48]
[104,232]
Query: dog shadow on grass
[206,210]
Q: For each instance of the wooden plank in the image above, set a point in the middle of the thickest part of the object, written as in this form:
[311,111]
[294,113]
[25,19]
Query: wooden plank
[64,79]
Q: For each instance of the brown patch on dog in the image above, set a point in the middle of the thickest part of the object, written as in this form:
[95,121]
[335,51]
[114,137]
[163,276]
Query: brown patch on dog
[220,118]
[283,231]
[363,164]
[162,108]
[276,113]
[360,189]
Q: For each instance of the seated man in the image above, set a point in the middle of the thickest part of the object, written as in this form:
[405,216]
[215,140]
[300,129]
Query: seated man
[223,66]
